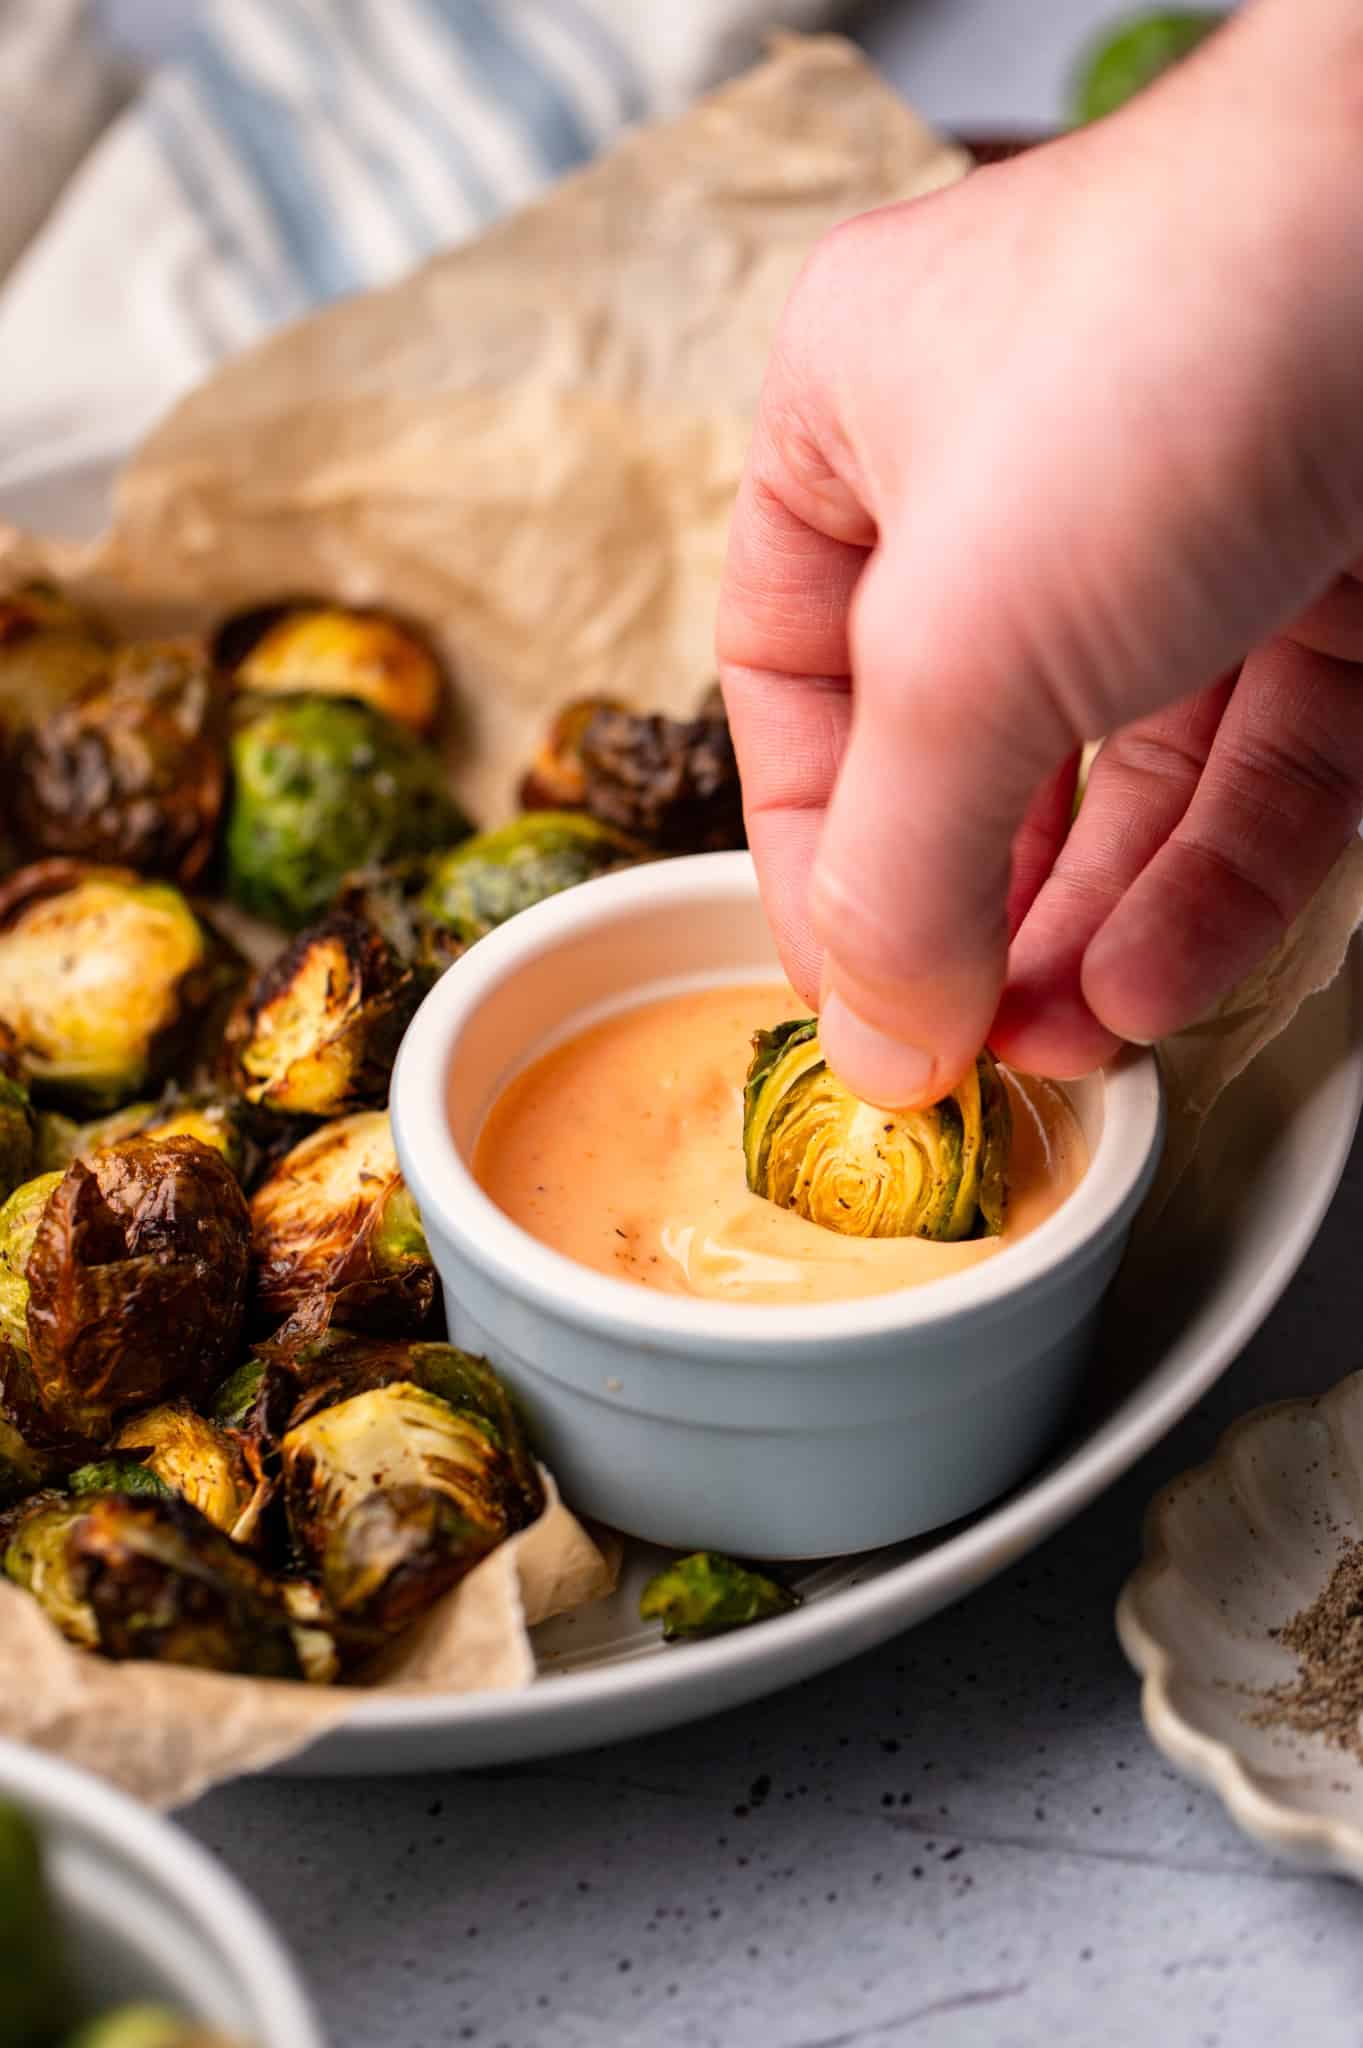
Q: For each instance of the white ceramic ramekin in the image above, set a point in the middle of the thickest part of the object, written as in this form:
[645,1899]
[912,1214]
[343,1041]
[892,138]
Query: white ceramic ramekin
[147,1914]
[770,1432]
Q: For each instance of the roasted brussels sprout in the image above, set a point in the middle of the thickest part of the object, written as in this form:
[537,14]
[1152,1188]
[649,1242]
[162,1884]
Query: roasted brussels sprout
[19,1219]
[50,651]
[671,783]
[34,2003]
[334,1218]
[136,1279]
[196,1459]
[146,2026]
[104,979]
[152,1579]
[706,1594]
[132,772]
[35,1448]
[18,1124]
[317,1032]
[336,651]
[322,786]
[393,1496]
[214,1120]
[492,876]
[556,779]
[118,1475]
[811,1146]
[1125,61]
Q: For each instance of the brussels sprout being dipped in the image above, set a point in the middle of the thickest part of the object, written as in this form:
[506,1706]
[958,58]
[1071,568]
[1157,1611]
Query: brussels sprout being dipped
[811,1146]
[393,1496]
[18,1124]
[133,772]
[556,779]
[671,783]
[1125,60]
[104,980]
[151,1579]
[50,650]
[317,1032]
[492,876]
[34,2000]
[335,651]
[334,1219]
[706,1594]
[321,786]
[135,1280]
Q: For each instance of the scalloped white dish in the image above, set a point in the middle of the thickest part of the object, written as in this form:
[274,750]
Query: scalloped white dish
[1233,1550]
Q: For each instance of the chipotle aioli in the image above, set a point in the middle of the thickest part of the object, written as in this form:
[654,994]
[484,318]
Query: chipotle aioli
[622,1148]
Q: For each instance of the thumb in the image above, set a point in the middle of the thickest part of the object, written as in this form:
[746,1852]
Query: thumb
[910,884]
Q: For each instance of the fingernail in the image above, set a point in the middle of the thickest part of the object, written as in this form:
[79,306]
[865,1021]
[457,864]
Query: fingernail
[880,1069]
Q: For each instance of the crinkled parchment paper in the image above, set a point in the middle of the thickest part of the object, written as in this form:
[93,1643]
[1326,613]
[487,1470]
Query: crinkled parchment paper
[532,447]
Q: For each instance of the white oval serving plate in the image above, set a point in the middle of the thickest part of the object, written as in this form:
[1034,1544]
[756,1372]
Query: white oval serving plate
[1233,1550]
[1274,1151]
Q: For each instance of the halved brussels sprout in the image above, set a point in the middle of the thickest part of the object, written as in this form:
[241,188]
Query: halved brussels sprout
[670,782]
[317,1032]
[394,1496]
[18,1123]
[556,779]
[20,1216]
[810,1145]
[490,877]
[136,1280]
[321,786]
[706,1594]
[50,650]
[133,772]
[152,1579]
[104,979]
[214,1120]
[334,1219]
[34,2001]
[336,651]
[197,1460]
[1125,60]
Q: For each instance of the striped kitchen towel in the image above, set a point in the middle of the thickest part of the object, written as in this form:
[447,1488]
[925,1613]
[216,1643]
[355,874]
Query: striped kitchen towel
[297,150]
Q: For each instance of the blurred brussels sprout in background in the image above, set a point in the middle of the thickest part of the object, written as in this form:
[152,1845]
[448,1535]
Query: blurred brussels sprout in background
[556,779]
[811,1146]
[670,782]
[133,772]
[18,1124]
[152,1579]
[104,979]
[1127,58]
[318,1030]
[50,650]
[323,650]
[197,1460]
[706,1595]
[320,786]
[34,2001]
[491,877]
[334,1219]
[136,1280]
[146,2026]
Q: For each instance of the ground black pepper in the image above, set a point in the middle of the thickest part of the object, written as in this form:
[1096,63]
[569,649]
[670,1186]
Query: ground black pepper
[1326,1696]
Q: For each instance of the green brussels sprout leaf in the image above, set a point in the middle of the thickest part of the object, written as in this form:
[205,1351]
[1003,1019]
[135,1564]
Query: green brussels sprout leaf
[706,1595]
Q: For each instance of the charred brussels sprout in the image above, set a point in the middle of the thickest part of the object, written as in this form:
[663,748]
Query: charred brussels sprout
[35,1448]
[322,786]
[334,1219]
[1133,56]
[133,772]
[670,782]
[136,1280]
[319,1029]
[151,1579]
[213,1120]
[812,1146]
[104,979]
[19,1219]
[18,1124]
[50,651]
[394,1495]
[197,1460]
[492,876]
[33,1996]
[556,779]
[706,1594]
[336,651]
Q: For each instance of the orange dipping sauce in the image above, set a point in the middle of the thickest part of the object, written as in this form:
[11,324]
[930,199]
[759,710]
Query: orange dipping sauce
[623,1149]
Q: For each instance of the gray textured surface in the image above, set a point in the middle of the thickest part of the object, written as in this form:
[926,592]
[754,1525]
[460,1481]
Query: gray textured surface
[963,1838]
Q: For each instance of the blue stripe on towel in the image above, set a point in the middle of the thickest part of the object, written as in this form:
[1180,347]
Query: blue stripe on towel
[319,55]
[516,81]
[422,112]
[185,163]
[261,130]
[606,51]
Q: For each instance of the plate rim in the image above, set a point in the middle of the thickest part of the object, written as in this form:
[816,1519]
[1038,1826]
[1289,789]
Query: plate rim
[857,1617]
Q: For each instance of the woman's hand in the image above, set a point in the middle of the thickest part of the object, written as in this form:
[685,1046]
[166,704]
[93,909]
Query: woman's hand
[1074,448]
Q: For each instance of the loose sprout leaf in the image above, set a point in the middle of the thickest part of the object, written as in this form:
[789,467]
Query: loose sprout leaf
[1133,56]
[707,1594]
